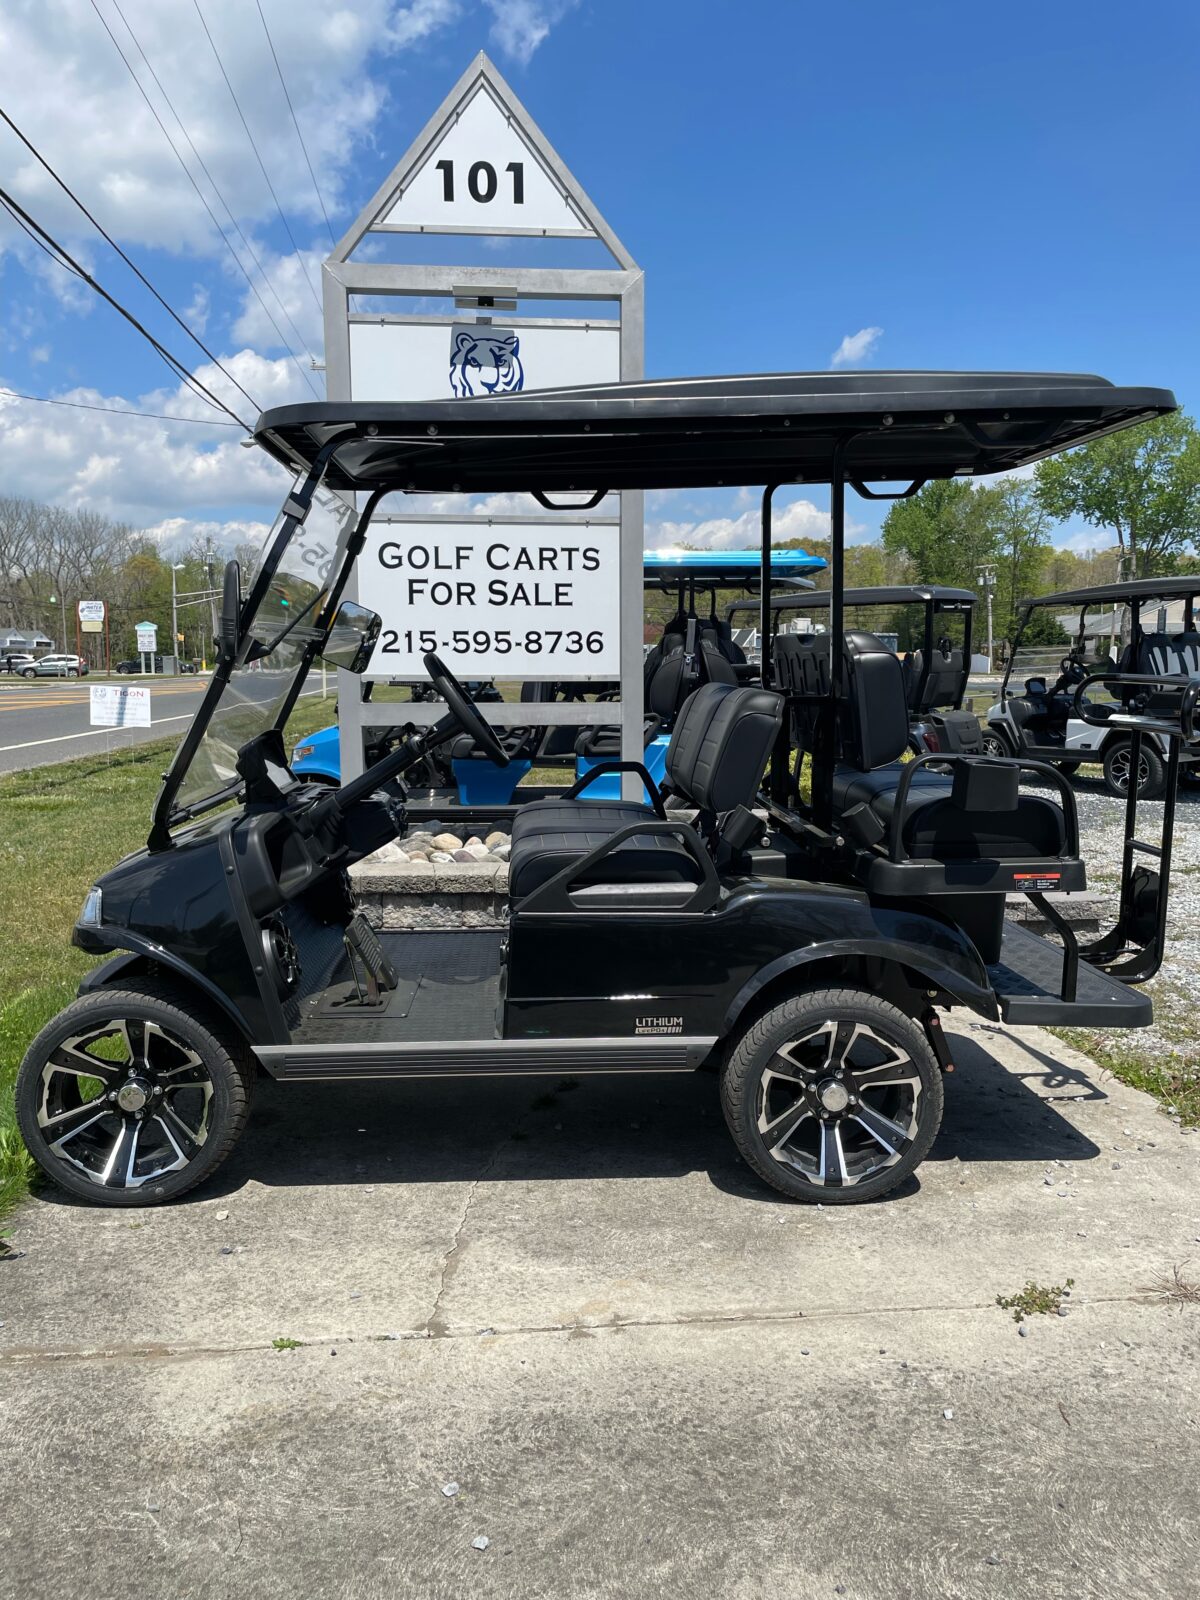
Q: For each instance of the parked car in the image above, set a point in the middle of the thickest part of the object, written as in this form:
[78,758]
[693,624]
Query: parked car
[11,662]
[56,666]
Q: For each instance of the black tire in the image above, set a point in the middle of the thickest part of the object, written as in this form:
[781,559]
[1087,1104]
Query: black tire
[995,744]
[1068,768]
[116,1164]
[1152,770]
[829,1153]
[28,672]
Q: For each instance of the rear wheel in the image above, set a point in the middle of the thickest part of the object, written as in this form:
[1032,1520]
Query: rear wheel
[29,672]
[995,744]
[833,1096]
[1068,768]
[1118,766]
[128,1099]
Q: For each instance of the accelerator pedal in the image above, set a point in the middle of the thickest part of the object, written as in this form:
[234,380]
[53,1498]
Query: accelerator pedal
[374,975]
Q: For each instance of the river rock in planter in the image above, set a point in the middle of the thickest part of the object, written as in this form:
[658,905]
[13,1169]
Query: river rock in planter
[473,840]
[418,855]
[474,852]
[391,853]
[440,857]
[501,851]
[463,855]
[493,839]
[447,841]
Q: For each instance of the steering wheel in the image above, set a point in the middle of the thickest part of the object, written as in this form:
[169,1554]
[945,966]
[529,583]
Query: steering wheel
[463,709]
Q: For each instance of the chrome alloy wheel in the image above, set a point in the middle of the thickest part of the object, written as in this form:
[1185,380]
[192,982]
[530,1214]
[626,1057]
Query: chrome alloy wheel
[124,1103]
[1120,763]
[839,1104]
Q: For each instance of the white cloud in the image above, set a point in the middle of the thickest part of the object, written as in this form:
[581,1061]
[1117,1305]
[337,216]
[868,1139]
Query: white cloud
[142,471]
[522,25]
[291,297]
[856,347]
[175,536]
[800,519]
[97,130]
[195,314]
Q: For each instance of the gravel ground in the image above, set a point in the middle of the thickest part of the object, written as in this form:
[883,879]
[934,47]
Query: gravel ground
[1176,989]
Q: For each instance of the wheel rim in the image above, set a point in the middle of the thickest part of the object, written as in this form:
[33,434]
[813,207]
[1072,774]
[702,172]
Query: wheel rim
[993,746]
[839,1104]
[1119,767]
[125,1103]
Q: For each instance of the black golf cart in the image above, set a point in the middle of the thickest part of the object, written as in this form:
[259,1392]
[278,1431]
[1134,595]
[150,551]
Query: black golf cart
[1142,626]
[802,950]
[936,671]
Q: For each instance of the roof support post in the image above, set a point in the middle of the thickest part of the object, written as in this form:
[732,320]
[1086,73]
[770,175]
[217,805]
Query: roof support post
[826,751]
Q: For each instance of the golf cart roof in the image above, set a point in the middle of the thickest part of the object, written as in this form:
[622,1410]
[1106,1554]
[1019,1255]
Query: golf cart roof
[1171,588]
[728,568]
[902,594]
[680,433]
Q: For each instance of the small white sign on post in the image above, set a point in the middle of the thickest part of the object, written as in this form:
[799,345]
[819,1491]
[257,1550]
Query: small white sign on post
[91,616]
[513,601]
[147,637]
[116,705]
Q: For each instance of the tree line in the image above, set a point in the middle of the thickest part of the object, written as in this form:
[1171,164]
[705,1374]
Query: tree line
[1140,489]
[52,557]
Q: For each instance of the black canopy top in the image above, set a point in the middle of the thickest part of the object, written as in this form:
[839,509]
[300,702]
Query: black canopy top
[902,594]
[1120,593]
[692,432]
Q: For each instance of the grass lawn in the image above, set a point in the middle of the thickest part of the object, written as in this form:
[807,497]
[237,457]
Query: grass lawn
[60,828]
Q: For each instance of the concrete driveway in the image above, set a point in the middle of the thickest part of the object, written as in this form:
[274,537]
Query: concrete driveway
[644,1373]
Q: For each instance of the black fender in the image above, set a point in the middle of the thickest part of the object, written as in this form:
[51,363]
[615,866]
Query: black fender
[136,955]
[949,963]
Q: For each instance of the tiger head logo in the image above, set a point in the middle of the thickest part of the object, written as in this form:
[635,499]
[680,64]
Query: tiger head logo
[485,363]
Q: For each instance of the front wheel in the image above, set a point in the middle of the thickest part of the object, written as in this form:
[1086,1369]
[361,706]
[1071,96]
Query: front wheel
[834,1096]
[128,1099]
[29,672]
[1118,765]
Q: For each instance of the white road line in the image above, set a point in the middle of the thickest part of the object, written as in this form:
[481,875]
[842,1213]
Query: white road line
[89,733]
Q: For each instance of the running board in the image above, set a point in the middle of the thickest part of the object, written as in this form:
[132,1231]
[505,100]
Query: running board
[491,1058]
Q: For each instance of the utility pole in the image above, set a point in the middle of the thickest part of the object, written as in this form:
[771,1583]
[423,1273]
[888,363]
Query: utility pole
[176,566]
[987,582]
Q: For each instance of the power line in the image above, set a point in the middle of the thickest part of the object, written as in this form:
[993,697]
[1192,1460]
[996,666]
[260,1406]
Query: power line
[119,411]
[261,164]
[132,265]
[187,172]
[296,124]
[66,258]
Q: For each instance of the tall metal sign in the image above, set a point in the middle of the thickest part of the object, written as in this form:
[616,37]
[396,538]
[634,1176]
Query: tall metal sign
[496,589]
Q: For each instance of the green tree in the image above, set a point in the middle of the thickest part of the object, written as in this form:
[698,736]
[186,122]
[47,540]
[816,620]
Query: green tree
[1143,483]
[946,532]
[1023,538]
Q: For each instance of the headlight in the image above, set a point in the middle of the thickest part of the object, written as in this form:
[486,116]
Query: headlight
[90,916]
[302,750]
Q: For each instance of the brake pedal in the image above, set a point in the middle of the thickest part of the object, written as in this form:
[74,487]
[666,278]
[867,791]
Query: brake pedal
[371,970]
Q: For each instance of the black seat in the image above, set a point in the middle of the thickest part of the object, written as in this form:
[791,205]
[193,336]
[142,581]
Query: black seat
[936,825]
[715,761]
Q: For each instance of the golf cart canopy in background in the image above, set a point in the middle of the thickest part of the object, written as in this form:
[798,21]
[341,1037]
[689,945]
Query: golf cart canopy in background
[734,569]
[904,594]
[707,432]
[1136,590]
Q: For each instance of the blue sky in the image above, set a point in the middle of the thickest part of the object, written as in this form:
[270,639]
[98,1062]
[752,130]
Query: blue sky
[1007,187]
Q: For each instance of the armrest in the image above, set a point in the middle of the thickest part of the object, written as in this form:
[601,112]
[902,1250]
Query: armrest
[1181,725]
[652,788]
[554,894]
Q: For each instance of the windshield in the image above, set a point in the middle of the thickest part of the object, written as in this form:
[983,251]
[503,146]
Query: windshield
[283,628]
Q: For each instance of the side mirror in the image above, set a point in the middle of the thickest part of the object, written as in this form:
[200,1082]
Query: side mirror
[351,638]
[231,609]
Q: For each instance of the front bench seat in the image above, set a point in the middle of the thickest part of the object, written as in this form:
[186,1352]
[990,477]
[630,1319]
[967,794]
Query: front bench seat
[873,735]
[715,762]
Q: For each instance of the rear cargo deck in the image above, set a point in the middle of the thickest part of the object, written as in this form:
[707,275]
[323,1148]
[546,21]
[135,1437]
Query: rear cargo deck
[1028,984]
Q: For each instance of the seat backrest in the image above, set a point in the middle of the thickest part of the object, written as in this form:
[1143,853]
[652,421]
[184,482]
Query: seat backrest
[873,726]
[721,744]
[1187,652]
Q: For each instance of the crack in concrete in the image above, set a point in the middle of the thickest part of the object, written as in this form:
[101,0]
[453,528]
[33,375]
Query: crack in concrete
[435,1326]
[33,1355]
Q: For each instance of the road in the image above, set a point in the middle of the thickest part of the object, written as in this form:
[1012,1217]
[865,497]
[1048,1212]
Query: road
[47,721]
[571,1326]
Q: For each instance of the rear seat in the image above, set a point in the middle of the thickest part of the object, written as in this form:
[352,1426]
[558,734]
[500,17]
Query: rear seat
[873,734]
[715,762]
